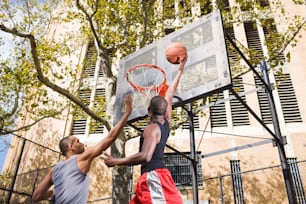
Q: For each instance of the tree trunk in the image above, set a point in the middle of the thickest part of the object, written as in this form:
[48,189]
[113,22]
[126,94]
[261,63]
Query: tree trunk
[121,175]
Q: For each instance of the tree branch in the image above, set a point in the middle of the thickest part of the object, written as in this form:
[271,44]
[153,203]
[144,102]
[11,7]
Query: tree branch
[15,106]
[46,81]
[4,132]
[102,51]
[287,43]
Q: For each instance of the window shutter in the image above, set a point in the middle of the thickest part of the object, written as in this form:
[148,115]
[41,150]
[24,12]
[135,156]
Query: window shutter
[287,98]
[79,121]
[91,57]
[240,114]
[263,103]
[196,122]
[253,39]
[95,126]
[218,112]
[233,56]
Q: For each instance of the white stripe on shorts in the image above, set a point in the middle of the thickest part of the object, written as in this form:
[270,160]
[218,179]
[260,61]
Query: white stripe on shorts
[155,188]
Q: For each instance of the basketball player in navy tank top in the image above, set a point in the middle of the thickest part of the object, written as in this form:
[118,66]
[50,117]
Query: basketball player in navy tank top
[155,184]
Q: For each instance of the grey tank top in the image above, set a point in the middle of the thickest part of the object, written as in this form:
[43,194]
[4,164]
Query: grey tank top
[70,184]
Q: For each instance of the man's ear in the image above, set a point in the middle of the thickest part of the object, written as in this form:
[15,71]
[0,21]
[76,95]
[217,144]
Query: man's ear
[69,147]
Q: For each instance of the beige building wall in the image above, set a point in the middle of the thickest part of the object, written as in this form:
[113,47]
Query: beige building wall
[252,145]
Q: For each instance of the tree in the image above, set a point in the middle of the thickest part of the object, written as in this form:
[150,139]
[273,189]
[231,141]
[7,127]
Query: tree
[36,71]
[118,29]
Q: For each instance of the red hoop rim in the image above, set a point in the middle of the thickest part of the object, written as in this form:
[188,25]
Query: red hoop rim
[160,89]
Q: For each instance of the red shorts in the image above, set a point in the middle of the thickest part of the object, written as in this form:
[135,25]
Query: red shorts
[156,186]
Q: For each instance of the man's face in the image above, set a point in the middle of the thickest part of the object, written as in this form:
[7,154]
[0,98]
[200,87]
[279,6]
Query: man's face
[77,146]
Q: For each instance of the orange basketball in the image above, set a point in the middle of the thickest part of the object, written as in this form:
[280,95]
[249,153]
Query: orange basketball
[175,51]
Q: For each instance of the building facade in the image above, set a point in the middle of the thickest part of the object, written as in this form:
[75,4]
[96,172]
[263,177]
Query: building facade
[238,158]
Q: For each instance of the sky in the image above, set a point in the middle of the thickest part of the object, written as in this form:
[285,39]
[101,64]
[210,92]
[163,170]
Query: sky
[6,47]
[4,51]
[4,140]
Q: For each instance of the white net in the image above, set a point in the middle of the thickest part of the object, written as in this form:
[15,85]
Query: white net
[146,77]
[145,81]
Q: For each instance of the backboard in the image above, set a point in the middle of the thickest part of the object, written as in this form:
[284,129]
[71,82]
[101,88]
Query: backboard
[206,70]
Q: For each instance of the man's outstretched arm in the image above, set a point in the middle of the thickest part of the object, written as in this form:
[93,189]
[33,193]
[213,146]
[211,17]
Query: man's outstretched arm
[172,88]
[86,157]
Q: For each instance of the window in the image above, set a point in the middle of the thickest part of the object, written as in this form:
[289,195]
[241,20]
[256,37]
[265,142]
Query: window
[264,105]
[85,95]
[246,5]
[185,8]
[253,40]
[217,111]
[297,181]
[287,98]
[240,114]
[78,126]
[299,2]
[272,38]
[90,63]
[196,122]
[206,6]
[168,9]
[180,168]
[223,5]
[284,85]
[263,3]
[231,51]
[95,126]
[79,117]
[237,182]
[169,30]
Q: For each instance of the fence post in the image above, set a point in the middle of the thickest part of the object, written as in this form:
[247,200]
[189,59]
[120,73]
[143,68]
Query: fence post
[221,190]
[194,156]
[16,171]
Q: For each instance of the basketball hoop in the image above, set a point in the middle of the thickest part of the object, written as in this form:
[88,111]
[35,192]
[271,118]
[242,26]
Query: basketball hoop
[147,78]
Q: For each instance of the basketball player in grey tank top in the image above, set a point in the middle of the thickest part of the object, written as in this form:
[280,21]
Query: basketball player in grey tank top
[70,177]
[70,184]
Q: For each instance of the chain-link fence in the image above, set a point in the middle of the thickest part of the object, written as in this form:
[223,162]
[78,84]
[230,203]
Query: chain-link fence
[29,163]
[262,185]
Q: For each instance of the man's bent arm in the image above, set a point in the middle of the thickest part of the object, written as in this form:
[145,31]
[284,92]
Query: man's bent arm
[42,192]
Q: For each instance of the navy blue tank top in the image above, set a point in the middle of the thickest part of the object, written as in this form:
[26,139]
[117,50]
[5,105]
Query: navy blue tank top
[157,157]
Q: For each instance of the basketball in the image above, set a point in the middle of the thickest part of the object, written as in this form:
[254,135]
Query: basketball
[175,51]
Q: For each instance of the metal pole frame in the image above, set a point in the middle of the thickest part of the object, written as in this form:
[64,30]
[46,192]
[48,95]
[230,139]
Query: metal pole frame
[279,140]
[194,156]
[16,170]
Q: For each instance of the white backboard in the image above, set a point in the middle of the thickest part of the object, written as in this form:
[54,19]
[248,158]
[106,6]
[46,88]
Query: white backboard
[206,71]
